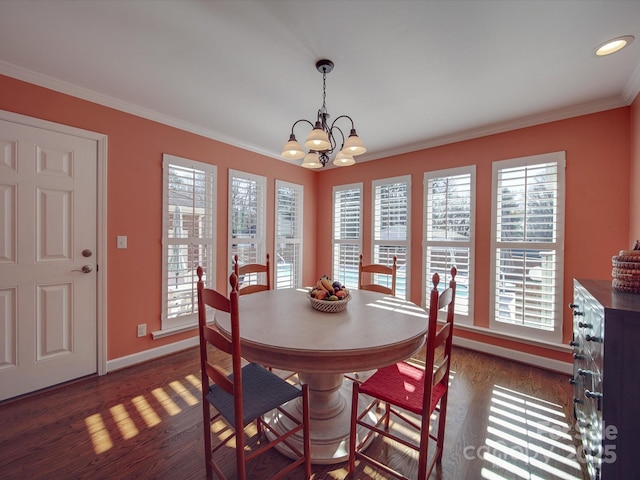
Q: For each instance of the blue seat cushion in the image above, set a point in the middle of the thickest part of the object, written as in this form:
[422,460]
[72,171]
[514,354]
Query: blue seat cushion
[262,391]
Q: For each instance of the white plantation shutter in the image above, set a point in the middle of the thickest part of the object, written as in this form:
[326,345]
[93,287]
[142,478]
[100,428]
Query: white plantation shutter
[528,245]
[288,261]
[391,229]
[247,202]
[449,236]
[189,206]
[347,233]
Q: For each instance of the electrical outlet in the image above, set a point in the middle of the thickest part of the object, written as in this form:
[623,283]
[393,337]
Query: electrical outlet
[142,329]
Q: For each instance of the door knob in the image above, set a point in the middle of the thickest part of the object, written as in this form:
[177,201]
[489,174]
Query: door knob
[85,269]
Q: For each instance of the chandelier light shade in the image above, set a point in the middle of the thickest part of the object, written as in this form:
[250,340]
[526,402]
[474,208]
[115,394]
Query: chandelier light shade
[323,138]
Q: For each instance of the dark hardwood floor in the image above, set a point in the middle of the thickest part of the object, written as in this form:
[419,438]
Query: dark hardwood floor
[506,421]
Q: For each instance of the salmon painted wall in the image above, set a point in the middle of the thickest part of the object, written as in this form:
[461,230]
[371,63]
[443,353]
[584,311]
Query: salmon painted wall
[598,150]
[597,201]
[134,202]
[635,172]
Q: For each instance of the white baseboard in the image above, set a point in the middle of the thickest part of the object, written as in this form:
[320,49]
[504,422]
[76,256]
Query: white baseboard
[535,360]
[129,360]
[528,358]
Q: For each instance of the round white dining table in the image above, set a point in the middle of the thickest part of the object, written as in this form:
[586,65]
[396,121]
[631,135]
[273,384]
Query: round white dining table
[280,329]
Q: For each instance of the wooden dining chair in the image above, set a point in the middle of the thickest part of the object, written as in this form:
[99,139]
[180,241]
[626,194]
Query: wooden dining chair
[369,272]
[244,396]
[248,275]
[373,270]
[405,387]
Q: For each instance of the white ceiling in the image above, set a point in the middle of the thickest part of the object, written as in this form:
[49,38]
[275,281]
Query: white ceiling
[411,74]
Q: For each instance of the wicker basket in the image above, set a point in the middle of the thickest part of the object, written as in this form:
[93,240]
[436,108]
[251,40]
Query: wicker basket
[626,272]
[329,306]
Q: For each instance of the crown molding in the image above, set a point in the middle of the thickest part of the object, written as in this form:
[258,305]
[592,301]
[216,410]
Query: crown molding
[633,87]
[530,121]
[30,76]
[60,86]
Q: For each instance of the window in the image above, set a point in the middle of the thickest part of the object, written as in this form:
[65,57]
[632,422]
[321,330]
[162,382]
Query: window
[347,233]
[527,247]
[247,201]
[188,238]
[288,261]
[391,228]
[449,226]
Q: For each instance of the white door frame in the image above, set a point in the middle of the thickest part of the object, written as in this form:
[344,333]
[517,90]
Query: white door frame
[101,220]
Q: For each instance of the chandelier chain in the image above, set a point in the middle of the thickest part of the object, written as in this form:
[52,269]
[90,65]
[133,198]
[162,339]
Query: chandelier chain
[324,92]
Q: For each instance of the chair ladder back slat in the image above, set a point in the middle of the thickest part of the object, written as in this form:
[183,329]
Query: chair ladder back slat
[216,339]
[441,370]
[443,335]
[215,299]
[445,298]
[373,287]
[377,268]
[252,289]
[219,377]
[253,268]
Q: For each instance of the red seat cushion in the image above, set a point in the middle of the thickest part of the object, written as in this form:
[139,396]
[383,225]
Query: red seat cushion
[402,384]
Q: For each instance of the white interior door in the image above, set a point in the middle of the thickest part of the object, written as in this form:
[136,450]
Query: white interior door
[48,240]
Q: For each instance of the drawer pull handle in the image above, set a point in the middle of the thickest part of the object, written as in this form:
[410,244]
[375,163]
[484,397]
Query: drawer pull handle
[578,313]
[585,373]
[573,305]
[591,338]
[573,343]
[578,400]
[577,356]
[572,381]
[590,394]
[584,325]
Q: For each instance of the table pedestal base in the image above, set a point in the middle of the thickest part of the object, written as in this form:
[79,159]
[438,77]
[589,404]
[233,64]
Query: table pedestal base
[330,407]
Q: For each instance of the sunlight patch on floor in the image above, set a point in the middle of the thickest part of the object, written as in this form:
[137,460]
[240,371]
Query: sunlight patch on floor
[165,400]
[184,393]
[527,438]
[98,429]
[124,422]
[146,411]
[98,432]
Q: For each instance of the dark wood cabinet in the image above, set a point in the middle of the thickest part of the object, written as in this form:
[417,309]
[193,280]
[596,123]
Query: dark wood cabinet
[606,341]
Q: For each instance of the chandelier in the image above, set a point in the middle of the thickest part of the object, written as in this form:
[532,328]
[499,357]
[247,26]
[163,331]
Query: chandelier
[322,141]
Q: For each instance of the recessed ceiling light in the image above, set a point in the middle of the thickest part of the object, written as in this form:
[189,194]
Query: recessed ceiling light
[614,45]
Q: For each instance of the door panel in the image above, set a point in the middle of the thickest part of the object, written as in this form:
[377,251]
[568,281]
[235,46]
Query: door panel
[48,211]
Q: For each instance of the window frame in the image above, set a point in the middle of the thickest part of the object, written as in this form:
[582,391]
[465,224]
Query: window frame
[186,321]
[339,269]
[555,334]
[406,243]
[298,236]
[259,239]
[466,318]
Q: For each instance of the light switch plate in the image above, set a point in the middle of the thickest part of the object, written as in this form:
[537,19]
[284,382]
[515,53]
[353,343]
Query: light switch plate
[122,241]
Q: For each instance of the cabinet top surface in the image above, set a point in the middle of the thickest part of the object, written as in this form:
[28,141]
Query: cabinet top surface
[610,298]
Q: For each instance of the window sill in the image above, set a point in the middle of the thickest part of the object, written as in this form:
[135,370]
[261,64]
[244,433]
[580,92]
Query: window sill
[172,331]
[560,347]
